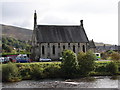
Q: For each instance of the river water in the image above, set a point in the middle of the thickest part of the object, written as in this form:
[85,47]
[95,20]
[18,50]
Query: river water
[93,82]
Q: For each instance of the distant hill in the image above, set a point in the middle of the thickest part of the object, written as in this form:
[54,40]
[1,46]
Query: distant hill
[16,32]
[101,44]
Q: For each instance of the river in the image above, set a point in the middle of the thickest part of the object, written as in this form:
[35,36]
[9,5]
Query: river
[93,82]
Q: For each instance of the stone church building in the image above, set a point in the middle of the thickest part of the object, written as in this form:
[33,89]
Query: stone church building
[49,41]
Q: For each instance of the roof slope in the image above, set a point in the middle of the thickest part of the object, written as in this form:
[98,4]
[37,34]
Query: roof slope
[92,44]
[58,33]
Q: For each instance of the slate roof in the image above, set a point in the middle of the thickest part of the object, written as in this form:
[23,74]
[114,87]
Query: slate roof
[61,33]
[92,44]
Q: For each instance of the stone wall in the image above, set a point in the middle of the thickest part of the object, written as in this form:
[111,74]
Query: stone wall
[59,47]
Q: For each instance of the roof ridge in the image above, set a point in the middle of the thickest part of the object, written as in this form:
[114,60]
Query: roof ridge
[61,25]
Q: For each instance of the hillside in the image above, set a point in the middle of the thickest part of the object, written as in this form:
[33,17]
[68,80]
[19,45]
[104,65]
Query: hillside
[16,32]
[101,44]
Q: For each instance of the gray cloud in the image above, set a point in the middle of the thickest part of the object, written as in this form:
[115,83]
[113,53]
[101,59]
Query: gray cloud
[20,13]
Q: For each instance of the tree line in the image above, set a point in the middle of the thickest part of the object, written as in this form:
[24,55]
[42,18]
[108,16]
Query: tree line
[11,45]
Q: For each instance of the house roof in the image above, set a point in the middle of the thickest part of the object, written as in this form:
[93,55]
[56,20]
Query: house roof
[92,44]
[105,48]
[61,33]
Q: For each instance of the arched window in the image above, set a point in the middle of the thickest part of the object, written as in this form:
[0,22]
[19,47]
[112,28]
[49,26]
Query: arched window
[74,48]
[63,47]
[58,45]
[68,44]
[53,49]
[78,44]
[43,50]
[83,47]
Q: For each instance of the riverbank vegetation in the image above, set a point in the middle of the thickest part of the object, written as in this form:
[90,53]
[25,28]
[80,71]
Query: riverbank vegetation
[72,66]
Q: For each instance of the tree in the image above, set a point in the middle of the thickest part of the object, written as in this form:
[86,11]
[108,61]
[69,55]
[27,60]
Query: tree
[69,64]
[112,68]
[28,48]
[8,43]
[6,48]
[86,62]
[9,49]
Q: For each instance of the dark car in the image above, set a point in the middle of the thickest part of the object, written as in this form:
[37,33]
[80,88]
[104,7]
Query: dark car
[22,61]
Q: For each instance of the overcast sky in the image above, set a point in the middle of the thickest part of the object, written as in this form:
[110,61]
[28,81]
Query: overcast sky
[100,17]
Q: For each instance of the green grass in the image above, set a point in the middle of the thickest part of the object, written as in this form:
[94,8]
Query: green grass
[16,53]
[97,62]
[102,62]
[36,63]
[41,63]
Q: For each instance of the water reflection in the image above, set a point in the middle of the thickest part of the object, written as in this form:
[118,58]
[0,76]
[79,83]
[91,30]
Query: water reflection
[92,82]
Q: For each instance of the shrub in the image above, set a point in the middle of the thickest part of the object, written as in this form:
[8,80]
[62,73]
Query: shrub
[86,62]
[100,68]
[52,71]
[104,55]
[115,56]
[112,68]
[25,71]
[37,73]
[69,64]
[10,72]
[39,70]
[110,52]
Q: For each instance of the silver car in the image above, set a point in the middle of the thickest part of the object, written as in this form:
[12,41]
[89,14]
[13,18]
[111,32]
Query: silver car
[44,60]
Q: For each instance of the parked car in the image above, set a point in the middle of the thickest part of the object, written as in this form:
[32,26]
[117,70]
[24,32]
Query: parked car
[60,59]
[4,59]
[1,59]
[22,61]
[22,58]
[44,60]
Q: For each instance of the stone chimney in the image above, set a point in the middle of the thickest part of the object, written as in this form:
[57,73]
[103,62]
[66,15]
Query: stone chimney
[81,21]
